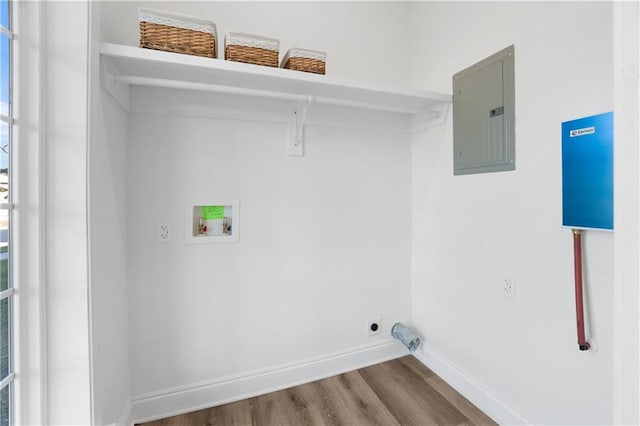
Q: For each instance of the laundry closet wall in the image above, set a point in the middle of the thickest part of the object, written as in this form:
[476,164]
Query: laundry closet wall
[470,232]
[324,238]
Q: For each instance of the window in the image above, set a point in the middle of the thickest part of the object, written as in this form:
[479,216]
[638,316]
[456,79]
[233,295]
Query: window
[7,123]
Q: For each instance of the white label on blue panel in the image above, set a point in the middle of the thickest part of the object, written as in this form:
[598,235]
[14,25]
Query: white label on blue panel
[582,132]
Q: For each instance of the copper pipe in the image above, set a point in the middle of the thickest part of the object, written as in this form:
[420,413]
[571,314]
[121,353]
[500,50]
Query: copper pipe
[577,266]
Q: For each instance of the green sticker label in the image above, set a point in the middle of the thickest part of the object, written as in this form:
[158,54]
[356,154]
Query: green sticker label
[212,212]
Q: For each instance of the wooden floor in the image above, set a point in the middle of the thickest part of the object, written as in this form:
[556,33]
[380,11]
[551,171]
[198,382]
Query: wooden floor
[398,392]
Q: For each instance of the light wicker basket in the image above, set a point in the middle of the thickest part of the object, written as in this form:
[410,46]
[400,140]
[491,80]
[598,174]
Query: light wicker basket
[172,32]
[305,60]
[251,49]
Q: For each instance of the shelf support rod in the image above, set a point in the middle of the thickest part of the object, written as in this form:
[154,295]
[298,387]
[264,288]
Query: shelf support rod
[205,87]
[233,90]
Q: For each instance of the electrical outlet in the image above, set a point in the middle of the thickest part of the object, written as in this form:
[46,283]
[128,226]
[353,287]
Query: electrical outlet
[163,233]
[374,327]
[509,288]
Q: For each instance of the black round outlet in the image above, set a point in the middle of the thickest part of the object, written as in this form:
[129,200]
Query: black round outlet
[374,326]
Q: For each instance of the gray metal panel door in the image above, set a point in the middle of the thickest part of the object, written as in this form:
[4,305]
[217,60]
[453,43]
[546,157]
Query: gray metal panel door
[483,116]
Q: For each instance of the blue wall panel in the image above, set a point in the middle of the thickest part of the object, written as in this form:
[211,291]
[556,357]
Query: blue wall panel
[587,172]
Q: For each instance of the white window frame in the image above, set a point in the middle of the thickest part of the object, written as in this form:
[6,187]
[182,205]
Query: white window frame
[28,202]
[10,119]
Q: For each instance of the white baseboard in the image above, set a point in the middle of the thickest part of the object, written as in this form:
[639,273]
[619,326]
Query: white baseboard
[125,417]
[171,402]
[468,387]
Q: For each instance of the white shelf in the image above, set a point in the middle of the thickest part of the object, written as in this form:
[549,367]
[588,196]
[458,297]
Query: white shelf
[134,64]
[124,66]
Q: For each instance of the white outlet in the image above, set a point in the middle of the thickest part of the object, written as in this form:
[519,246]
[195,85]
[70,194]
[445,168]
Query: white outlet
[163,233]
[509,288]
[374,327]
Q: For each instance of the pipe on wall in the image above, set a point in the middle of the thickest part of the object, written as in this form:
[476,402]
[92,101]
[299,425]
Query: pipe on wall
[577,265]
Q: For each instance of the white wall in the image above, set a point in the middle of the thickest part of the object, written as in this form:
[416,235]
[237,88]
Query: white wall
[627,236]
[67,387]
[364,41]
[107,182]
[324,239]
[471,231]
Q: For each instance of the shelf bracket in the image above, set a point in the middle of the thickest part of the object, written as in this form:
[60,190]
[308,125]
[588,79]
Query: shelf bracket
[435,117]
[119,91]
[295,143]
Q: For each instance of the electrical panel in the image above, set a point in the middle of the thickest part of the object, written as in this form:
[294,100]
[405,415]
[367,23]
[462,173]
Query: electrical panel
[484,115]
[587,172]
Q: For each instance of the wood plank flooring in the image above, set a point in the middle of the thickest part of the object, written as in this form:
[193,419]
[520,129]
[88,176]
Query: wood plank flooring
[397,392]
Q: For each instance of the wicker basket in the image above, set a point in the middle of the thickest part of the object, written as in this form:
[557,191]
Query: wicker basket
[305,60]
[172,32]
[251,49]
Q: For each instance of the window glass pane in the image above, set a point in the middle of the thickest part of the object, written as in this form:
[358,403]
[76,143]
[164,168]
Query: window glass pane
[5,405]
[5,337]
[5,282]
[4,213]
[4,13]
[5,136]
[4,250]
[4,74]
